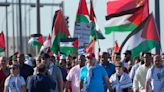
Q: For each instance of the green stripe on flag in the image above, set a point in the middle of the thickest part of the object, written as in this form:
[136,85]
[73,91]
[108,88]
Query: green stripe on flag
[36,43]
[122,28]
[67,50]
[55,44]
[82,19]
[144,46]
[1,49]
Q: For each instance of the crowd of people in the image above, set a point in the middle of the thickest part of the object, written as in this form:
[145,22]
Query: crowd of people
[84,73]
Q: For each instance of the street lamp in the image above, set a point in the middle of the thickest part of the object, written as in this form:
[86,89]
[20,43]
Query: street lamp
[4,4]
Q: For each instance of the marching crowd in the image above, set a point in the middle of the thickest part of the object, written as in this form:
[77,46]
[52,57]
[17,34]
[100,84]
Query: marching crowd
[84,73]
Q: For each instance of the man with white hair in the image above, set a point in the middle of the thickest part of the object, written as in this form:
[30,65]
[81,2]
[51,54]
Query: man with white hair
[120,80]
[155,76]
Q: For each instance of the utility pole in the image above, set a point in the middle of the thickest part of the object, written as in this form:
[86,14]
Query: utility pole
[13,22]
[157,19]
[7,40]
[20,28]
[38,21]
[25,28]
[38,16]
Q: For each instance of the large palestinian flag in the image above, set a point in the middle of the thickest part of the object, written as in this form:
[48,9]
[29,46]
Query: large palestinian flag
[122,15]
[2,42]
[144,38]
[35,40]
[68,46]
[59,31]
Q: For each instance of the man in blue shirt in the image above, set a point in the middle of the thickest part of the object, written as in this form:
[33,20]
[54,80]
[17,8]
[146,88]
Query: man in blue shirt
[93,76]
[109,67]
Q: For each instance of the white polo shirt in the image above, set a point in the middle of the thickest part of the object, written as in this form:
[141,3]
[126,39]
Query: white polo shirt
[14,84]
[73,76]
[156,77]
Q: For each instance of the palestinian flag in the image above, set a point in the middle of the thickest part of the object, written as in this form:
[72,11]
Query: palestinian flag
[59,31]
[90,48]
[82,13]
[68,46]
[122,15]
[2,42]
[35,40]
[46,44]
[144,38]
[82,28]
[95,33]
[116,47]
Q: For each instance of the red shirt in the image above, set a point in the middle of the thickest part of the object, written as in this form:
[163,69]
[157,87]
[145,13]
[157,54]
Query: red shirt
[2,80]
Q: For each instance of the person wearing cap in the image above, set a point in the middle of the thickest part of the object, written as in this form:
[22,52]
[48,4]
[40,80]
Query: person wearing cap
[92,76]
[120,80]
[4,71]
[74,75]
[127,58]
[155,76]
[53,71]
[140,76]
[40,82]
[109,67]
[15,82]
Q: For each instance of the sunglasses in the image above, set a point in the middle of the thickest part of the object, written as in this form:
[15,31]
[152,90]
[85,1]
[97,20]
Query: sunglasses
[13,68]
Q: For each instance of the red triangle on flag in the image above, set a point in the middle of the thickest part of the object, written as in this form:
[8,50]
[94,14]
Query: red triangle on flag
[40,39]
[92,14]
[75,43]
[136,18]
[2,40]
[48,37]
[90,48]
[141,14]
[150,30]
[82,9]
[60,25]
[116,47]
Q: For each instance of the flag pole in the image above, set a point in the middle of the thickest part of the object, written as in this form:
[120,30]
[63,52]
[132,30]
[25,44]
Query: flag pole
[113,39]
[157,19]
[99,49]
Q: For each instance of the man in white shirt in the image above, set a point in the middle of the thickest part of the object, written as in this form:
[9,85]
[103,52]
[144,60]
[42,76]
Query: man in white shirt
[14,82]
[74,75]
[140,76]
[155,76]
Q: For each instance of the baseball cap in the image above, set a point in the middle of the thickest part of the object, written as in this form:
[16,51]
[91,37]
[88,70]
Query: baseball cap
[128,52]
[90,55]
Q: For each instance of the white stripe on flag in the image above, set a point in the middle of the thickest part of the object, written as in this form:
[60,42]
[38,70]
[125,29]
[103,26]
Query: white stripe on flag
[66,44]
[116,21]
